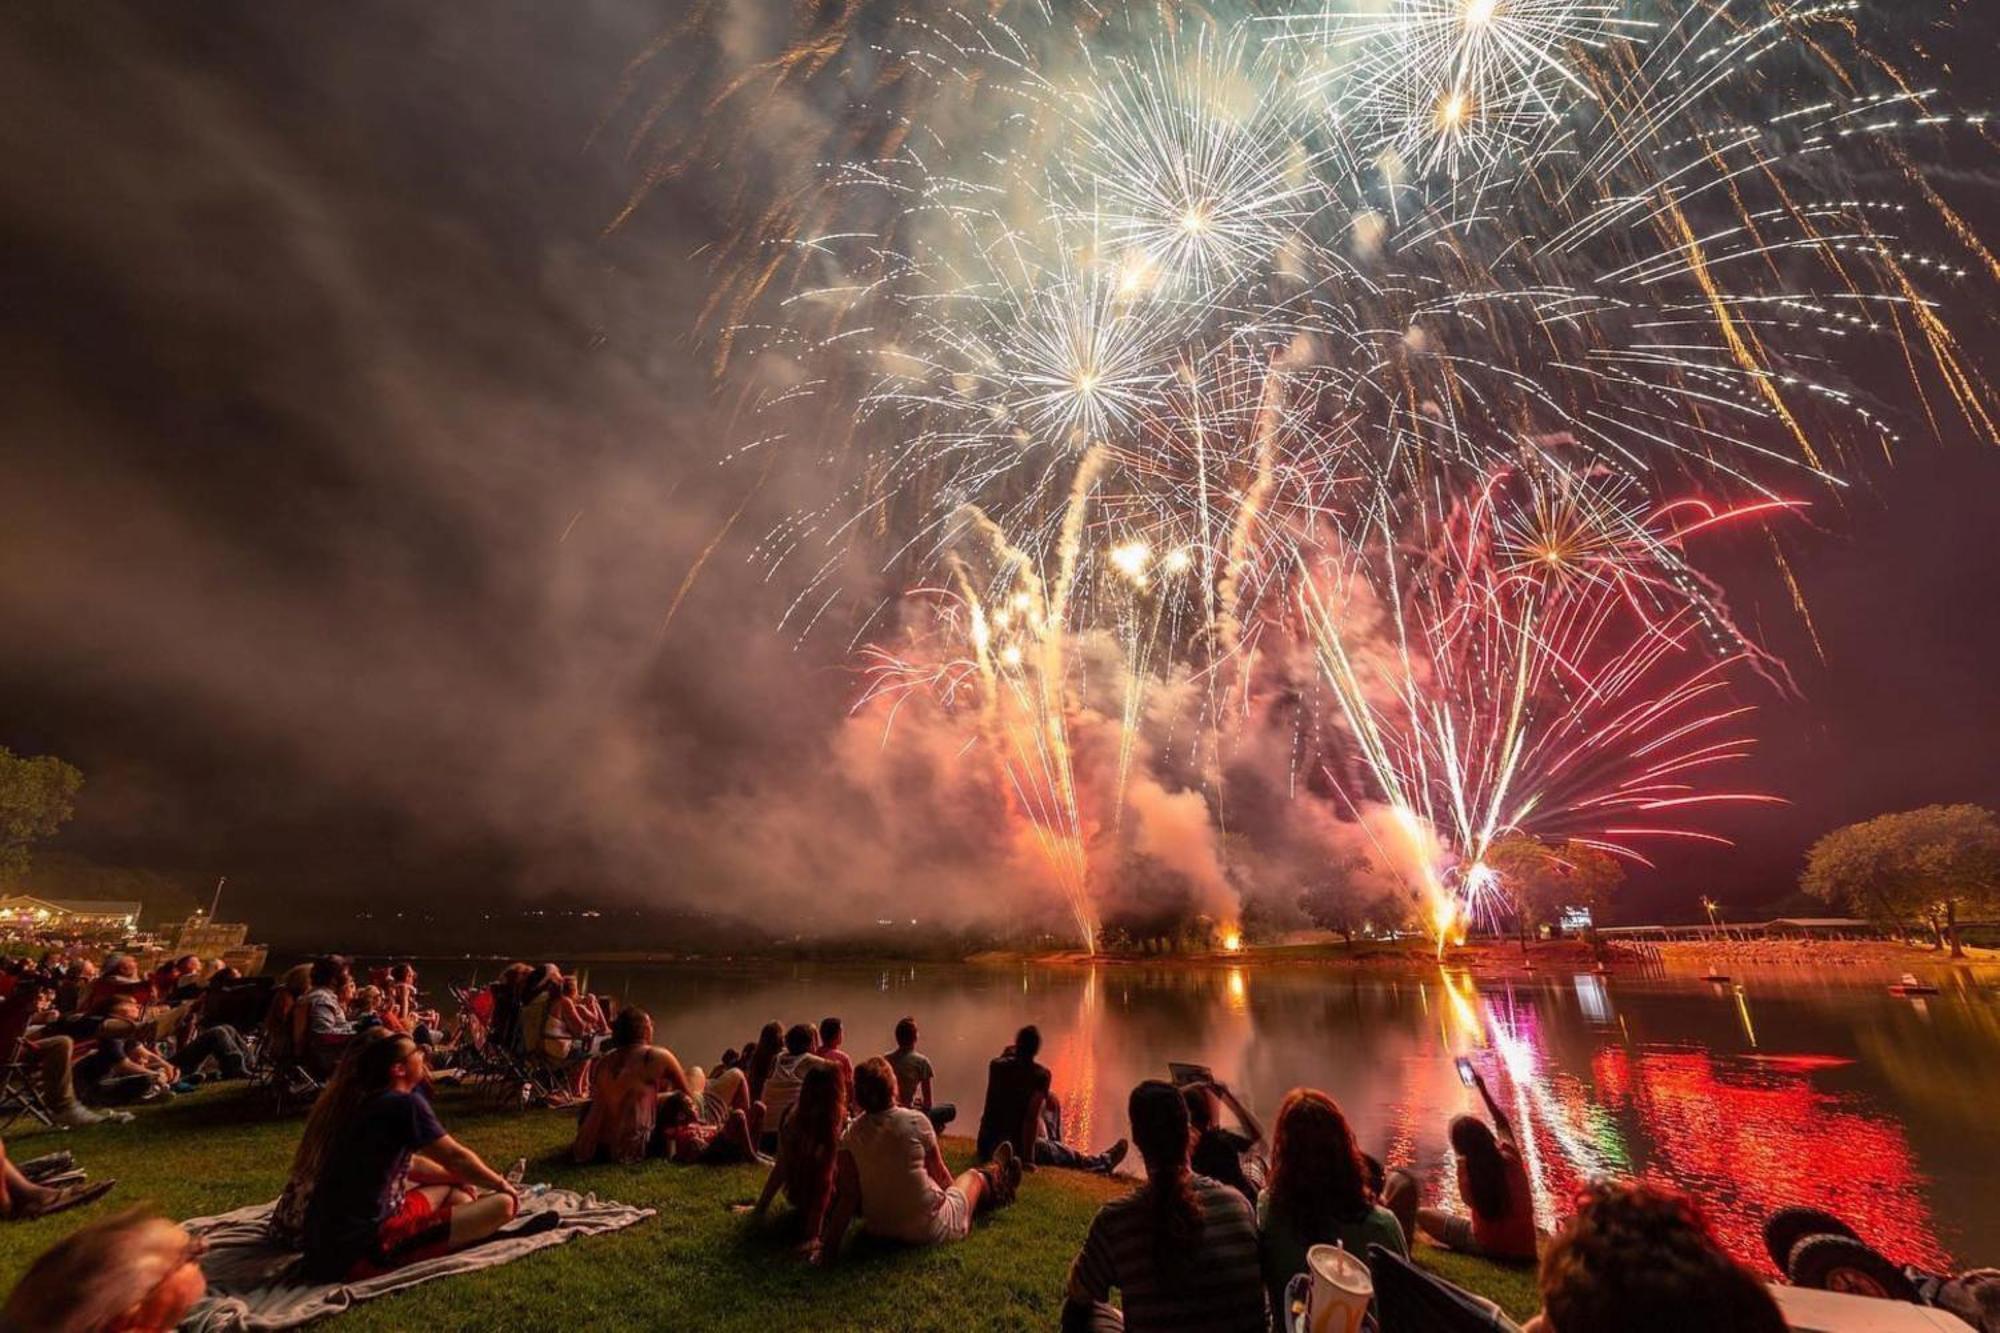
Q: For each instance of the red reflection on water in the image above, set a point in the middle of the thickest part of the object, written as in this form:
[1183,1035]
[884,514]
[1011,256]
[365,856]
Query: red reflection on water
[1746,1139]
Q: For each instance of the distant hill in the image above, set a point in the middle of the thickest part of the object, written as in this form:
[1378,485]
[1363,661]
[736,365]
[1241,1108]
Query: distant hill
[167,897]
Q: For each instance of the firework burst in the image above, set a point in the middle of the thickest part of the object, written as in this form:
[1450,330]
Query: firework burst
[1235,319]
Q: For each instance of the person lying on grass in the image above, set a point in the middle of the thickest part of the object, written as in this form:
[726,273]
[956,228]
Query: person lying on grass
[891,1172]
[686,1136]
[391,1186]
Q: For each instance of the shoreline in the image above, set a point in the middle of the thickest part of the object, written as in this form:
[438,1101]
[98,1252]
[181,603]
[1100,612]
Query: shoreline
[1483,959]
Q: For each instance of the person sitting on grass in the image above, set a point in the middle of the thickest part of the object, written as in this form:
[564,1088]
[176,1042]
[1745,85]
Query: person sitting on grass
[130,1273]
[1493,1181]
[1317,1194]
[807,1146]
[1224,1154]
[24,1200]
[759,1056]
[626,1084]
[913,1077]
[392,1186]
[891,1172]
[371,1009]
[1641,1259]
[1021,1109]
[788,1071]
[831,1033]
[1181,1249]
[401,994]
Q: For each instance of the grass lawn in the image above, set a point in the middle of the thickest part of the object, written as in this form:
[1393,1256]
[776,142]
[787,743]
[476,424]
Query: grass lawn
[696,1265]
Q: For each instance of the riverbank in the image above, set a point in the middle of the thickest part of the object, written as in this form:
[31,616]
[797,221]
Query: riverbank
[697,1265]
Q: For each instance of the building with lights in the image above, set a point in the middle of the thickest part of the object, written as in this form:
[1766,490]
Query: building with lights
[20,911]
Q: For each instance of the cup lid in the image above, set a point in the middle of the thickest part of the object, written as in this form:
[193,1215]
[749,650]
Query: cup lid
[1342,1269]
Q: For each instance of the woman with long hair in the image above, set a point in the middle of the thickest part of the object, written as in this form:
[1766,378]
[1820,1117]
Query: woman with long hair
[388,1185]
[1181,1249]
[759,1059]
[1493,1181]
[1317,1193]
[807,1145]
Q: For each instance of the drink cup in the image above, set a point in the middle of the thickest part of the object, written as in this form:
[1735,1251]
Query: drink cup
[1340,1292]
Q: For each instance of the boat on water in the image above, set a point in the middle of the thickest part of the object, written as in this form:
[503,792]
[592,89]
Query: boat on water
[1909,985]
[205,937]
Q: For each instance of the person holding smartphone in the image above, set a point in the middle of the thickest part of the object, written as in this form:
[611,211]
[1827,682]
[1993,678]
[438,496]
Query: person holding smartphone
[1224,1155]
[1492,1179]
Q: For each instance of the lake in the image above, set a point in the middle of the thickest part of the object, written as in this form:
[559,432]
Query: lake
[1791,1086]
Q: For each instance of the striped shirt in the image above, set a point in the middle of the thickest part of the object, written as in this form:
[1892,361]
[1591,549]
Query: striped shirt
[1217,1287]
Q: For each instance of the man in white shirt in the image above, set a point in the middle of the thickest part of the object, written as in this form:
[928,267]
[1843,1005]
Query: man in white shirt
[891,1171]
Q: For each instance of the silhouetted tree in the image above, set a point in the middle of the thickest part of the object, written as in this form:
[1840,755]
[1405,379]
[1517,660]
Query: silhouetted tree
[1923,864]
[37,797]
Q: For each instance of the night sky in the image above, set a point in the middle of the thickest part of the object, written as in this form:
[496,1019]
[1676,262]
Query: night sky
[350,468]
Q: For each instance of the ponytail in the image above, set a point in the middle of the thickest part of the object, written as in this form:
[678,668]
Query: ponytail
[1160,1131]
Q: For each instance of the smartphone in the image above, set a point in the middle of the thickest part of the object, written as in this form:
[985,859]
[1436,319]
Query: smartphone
[1465,1074]
[1184,1074]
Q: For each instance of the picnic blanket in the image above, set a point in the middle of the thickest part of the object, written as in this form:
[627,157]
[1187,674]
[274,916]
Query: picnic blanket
[252,1283]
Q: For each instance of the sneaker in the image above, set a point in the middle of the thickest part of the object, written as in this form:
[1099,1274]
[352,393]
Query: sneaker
[1115,1155]
[76,1115]
[531,1224]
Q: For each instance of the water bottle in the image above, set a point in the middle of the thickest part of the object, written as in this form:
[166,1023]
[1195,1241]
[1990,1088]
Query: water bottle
[517,1172]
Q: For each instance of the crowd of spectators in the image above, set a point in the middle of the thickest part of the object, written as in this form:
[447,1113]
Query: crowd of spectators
[1211,1237]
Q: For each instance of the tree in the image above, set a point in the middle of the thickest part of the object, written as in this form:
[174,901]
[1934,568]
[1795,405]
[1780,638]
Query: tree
[1348,897]
[1926,865]
[1544,881]
[37,797]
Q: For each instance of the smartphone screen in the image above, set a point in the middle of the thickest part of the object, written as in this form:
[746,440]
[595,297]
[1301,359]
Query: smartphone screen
[1464,1070]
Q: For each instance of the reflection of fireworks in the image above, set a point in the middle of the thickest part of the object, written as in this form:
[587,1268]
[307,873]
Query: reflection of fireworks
[1187,308]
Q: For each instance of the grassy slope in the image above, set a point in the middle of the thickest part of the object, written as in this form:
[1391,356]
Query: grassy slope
[696,1265]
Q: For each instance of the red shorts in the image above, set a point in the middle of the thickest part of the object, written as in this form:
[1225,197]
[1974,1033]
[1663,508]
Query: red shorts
[417,1230]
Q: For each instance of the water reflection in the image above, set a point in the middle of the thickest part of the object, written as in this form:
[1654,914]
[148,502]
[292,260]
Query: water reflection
[1795,1089]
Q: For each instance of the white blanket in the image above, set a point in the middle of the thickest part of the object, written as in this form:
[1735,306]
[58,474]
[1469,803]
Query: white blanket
[252,1283]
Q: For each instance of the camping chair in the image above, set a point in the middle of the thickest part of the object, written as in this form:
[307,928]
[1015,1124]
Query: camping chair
[279,1071]
[1409,1300]
[485,1053]
[20,1073]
